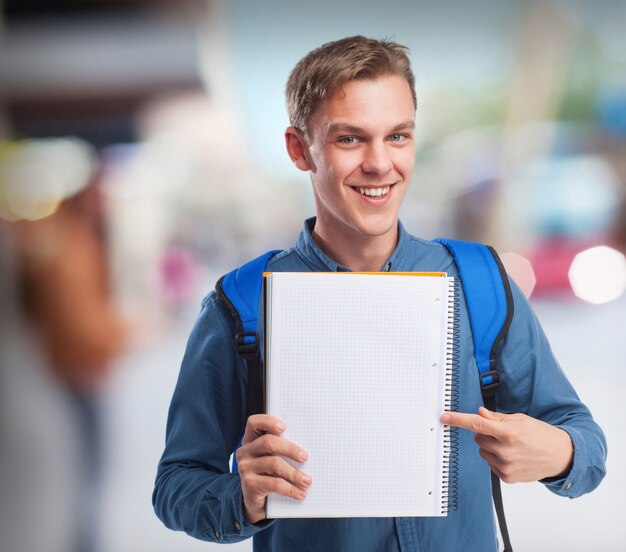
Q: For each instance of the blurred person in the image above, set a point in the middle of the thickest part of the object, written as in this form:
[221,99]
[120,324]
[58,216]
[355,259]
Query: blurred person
[352,106]
[65,300]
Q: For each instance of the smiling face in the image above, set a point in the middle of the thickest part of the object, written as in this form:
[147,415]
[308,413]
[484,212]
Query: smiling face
[359,149]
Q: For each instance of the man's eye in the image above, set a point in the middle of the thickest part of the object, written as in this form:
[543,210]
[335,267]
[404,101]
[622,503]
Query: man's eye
[397,137]
[348,140]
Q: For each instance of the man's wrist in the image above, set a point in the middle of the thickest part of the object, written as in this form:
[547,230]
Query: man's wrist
[253,517]
[566,455]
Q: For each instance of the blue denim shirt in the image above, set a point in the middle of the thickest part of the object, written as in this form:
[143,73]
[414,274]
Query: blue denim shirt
[196,493]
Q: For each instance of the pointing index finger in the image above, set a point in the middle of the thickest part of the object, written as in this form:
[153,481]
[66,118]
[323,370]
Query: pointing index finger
[473,422]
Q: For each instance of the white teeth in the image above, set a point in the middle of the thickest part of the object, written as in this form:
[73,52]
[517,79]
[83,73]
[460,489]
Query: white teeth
[374,192]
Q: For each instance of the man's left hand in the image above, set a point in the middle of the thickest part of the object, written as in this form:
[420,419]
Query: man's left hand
[516,446]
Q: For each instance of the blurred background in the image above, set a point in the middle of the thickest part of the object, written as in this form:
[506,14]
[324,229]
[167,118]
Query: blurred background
[141,157]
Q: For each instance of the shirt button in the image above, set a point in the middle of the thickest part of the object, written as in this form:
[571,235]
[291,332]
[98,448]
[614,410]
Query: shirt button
[568,486]
[237,526]
[218,535]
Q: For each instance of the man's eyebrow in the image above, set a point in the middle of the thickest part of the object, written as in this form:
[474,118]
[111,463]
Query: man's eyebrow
[407,125]
[336,128]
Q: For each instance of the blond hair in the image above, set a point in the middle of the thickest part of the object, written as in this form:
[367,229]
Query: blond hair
[323,70]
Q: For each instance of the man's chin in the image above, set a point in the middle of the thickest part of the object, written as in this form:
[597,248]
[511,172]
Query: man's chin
[378,229]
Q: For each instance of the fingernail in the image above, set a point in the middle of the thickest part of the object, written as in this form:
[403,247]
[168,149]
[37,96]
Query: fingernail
[280,426]
[300,493]
[303,455]
[306,480]
[445,417]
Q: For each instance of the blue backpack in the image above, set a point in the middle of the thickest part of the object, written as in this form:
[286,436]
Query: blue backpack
[489,302]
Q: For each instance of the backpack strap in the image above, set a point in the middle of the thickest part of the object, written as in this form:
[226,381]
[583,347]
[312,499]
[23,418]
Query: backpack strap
[490,305]
[240,291]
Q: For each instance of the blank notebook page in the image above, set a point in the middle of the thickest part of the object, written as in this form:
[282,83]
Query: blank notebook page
[356,367]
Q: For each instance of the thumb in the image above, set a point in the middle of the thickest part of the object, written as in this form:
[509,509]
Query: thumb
[491,415]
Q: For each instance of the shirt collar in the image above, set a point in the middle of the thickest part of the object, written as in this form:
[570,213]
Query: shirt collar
[317,260]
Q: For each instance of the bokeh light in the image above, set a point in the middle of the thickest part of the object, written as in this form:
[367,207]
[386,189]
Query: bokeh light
[37,175]
[521,270]
[598,275]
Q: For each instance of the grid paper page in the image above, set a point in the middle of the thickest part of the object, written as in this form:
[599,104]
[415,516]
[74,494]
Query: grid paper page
[356,369]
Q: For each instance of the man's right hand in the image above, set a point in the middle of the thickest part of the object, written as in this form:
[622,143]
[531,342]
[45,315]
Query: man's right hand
[262,467]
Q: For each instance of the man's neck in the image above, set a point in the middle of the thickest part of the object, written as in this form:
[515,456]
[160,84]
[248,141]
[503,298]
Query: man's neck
[358,253]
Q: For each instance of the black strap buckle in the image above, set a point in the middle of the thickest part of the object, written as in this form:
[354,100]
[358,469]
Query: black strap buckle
[489,389]
[247,347]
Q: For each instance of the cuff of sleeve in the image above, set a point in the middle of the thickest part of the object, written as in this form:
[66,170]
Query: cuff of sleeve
[571,485]
[226,523]
[248,529]
[239,526]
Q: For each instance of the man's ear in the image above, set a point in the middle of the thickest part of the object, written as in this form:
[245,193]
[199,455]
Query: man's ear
[296,148]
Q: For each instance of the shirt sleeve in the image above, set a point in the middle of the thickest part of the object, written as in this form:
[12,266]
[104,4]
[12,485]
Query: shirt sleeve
[534,383]
[194,490]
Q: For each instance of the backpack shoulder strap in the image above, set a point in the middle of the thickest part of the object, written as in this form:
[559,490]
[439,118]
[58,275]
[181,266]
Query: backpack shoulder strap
[242,288]
[490,305]
[240,292]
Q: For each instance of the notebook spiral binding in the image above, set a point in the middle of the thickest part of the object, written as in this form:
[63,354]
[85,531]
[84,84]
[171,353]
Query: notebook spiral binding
[450,501]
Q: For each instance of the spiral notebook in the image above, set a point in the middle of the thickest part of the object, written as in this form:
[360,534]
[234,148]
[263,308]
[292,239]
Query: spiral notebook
[360,366]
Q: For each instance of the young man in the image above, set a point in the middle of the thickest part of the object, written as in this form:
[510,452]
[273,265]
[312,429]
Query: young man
[352,106]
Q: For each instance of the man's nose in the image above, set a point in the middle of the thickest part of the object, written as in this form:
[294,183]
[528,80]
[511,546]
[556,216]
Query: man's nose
[377,159]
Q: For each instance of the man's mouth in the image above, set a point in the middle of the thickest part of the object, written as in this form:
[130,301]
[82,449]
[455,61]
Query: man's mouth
[373,192]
